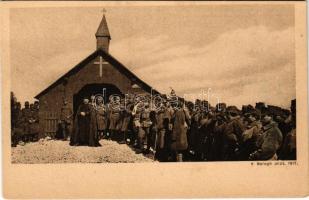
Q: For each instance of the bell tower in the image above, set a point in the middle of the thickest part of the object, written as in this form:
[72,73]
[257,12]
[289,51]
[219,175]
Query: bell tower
[102,35]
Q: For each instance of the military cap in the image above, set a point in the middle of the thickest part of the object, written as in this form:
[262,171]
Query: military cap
[233,109]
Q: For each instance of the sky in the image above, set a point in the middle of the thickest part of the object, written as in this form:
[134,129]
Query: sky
[237,54]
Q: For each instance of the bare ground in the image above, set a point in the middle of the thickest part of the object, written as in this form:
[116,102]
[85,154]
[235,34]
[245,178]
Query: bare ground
[55,151]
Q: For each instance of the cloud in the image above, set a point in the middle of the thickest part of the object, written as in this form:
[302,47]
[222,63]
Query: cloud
[241,66]
[33,75]
[241,60]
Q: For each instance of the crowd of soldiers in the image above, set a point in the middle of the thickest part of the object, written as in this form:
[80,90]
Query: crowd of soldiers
[173,129]
[177,130]
[24,121]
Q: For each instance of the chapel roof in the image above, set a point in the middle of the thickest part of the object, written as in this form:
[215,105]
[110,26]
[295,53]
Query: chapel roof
[110,59]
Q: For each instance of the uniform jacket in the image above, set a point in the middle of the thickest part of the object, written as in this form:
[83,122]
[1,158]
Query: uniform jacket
[179,133]
[270,141]
[233,130]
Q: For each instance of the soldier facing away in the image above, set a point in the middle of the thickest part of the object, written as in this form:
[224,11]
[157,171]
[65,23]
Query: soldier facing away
[65,123]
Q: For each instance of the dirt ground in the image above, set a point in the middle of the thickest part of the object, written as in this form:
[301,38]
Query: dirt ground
[56,151]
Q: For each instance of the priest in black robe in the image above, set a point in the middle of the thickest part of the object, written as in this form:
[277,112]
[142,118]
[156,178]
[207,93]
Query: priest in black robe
[82,123]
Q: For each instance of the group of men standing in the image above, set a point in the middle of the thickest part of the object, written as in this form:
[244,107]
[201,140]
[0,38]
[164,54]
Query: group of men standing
[24,122]
[132,121]
[183,131]
[229,134]
[173,130]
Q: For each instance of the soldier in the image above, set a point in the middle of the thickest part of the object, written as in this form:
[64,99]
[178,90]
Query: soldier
[179,134]
[172,98]
[119,134]
[126,119]
[15,110]
[101,117]
[288,151]
[269,142]
[144,130]
[207,132]
[17,129]
[37,105]
[221,121]
[34,127]
[232,134]
[65,121]
[114,118]
[136,115]
[161,139]
[92,101]
[194,131]
[26,116]
[250,135]
[153,129]
[169,114]
[107,132]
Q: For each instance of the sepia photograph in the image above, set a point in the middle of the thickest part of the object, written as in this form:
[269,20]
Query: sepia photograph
[159,85]
[207,83]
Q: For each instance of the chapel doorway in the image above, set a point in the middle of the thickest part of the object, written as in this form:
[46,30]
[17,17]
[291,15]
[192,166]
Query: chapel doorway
[101,89]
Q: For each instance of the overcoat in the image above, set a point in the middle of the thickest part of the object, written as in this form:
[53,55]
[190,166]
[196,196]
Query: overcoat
[34,127]
[234,130]
[26,116]
[126,118]
[232,136]
[114,118]
[101,117]
[288,151]
[270,141]
[179,133]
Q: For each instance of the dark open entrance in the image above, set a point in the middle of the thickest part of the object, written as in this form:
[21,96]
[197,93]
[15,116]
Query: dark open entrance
[102,89]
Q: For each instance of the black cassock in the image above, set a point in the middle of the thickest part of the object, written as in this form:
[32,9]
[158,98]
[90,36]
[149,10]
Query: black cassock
[81,127]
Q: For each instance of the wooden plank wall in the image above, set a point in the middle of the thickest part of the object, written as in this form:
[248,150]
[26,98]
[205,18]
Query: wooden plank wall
[50,123]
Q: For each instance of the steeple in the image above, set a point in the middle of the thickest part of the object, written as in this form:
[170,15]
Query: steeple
[102,34]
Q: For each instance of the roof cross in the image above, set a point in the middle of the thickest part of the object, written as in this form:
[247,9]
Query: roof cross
[104,11]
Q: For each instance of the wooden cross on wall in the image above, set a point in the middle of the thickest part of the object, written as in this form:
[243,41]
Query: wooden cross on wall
[101,63]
